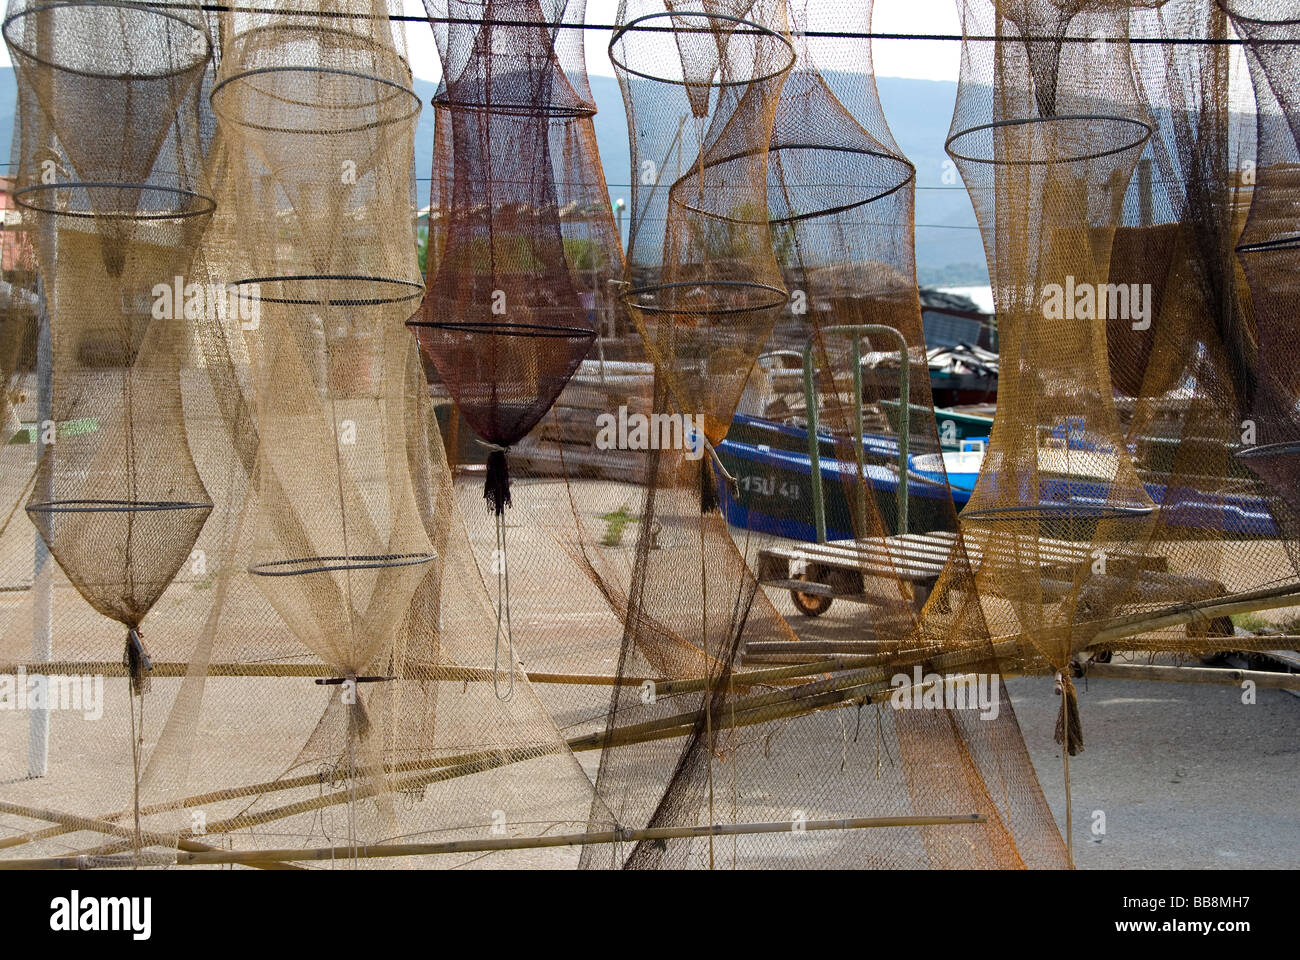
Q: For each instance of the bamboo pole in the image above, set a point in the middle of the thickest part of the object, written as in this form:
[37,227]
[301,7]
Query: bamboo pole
[1268,598]
[75,823]
[1214,675]
[623,835]
[174,668]
[265,857]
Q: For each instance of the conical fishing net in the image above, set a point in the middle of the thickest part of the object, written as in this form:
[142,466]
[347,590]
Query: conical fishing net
[1267,245]
[1046,132]
[355,539]
[503,322]
[110,185]
[554,531]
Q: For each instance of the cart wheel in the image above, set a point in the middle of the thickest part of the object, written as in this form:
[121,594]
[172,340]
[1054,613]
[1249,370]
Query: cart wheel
[809,604]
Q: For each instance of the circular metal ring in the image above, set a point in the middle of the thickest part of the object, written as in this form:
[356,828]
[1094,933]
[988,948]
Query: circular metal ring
[112,506]
[416,289]
[766,32]
[144,8]
[507,329]
[225,84]
[949,144]
[208,203]
[305,565]
[777,298]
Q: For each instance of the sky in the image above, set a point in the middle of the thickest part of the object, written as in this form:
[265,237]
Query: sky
[919,59]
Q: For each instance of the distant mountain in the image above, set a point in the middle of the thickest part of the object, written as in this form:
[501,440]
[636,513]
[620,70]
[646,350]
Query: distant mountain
[948,248]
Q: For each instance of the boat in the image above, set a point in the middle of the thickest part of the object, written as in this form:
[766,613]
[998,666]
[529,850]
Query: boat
[772,470]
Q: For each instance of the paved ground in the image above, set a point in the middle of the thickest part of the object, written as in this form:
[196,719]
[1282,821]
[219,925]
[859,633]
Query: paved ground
[1185,774]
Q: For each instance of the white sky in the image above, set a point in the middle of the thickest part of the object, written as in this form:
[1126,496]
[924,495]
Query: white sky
[926,60]
[921,59]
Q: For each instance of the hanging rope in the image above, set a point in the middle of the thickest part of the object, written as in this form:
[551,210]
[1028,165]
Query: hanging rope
[1069,728]
[503,610]
[136,660]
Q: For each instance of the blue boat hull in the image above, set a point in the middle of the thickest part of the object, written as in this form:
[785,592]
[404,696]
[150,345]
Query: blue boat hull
[775,494]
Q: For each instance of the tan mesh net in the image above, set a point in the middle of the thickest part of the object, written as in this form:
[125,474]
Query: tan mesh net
[265,437]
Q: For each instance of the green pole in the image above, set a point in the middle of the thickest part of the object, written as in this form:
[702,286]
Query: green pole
[904,420]
[859,449]
[814,447]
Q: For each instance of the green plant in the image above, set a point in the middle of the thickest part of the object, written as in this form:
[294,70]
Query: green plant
[422,249]
[1250,621]
[583,254]
[614,524]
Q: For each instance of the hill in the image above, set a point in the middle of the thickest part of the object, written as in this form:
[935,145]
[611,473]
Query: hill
[948,248]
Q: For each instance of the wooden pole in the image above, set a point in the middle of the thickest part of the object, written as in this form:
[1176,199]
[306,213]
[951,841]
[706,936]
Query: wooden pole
[624,835]
[1213,675]
[75,823]
[176,668]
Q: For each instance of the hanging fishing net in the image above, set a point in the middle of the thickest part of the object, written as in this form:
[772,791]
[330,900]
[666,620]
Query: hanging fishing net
[1046,132]
[1267,247]
[1183,358]
[503,322]
[336,553]
[713,741]
[109,189]
[557,533]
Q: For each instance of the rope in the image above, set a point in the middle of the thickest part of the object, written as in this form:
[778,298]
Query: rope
[503,606]
[1069,733]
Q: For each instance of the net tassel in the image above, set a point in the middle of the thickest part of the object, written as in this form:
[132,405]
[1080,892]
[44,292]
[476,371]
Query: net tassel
[708,488]
[1069,728]
[358,716]
[496,488]
[136,660]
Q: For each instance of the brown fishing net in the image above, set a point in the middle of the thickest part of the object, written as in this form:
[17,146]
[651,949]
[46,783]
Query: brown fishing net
[503,322]
[1046,132]
[1184,364]
[1267,246]
[109,187]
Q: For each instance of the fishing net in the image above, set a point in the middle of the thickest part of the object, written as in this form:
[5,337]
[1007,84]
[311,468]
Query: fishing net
[323,651]
[352,535]
[1267,246]
[109,191]
[1184,364]
[556,532]
[1046,132]
[502,323]
[768,744]
[335,551]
